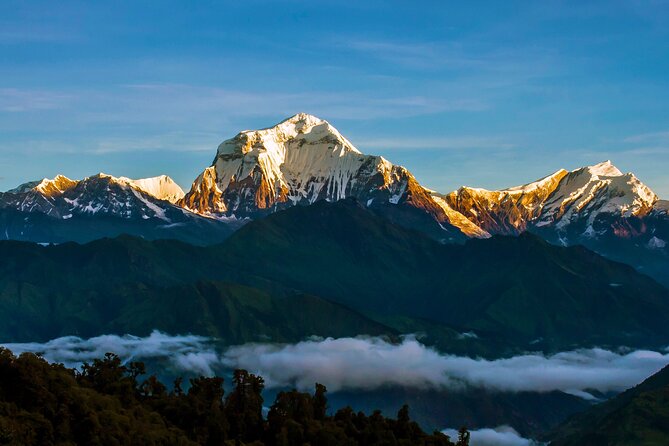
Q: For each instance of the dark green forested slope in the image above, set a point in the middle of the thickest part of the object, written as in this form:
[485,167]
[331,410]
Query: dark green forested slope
[638,416]
[520,288]
[328,269]
[230,312]
[107,403]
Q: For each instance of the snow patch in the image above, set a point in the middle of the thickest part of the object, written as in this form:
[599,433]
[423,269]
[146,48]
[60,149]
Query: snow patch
[656,243]
[158,211]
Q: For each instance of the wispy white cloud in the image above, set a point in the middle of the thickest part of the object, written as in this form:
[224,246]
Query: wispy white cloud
[649,138]
[643,144]
[646,150]
[173,141]
[205,107]
[482,64]
[34,33]
[165,98]
[421,142]
[15,100]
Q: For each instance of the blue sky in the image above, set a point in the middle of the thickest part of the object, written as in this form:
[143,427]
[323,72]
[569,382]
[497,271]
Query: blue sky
[491,94]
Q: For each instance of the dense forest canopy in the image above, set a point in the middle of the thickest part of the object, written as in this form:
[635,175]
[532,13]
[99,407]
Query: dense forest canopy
[108,402]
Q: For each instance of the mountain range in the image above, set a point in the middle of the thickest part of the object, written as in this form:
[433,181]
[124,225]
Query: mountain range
[303,160]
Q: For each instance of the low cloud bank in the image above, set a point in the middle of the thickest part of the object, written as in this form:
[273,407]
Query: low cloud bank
[499,436]
[368,363]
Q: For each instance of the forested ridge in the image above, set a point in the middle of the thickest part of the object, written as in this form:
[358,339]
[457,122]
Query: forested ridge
[108,402]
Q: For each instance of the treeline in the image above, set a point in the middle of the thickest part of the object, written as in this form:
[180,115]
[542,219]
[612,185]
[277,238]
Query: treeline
[109,403]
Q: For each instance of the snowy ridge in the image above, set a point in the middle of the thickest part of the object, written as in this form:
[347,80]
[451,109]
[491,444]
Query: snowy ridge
[542,184]
[505,211]
[99,194]
[46,187]
[587,203]
[594,190]
[460,221]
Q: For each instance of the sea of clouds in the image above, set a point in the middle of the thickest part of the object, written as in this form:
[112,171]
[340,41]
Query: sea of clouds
[368,363]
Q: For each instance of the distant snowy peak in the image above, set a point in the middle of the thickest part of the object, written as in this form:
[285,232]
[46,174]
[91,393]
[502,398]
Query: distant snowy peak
[99,194]
[304,159]
[594,190]
[161,187]
[563,201]
[47,187]
[38,196]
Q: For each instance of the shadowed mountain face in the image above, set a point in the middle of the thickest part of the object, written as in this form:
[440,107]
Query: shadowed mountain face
[520,292]
[127,285]
[638,416]
[522,286]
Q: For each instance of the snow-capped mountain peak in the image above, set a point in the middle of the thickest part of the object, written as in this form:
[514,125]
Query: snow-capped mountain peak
[603,169]
[593,190]
[586,202]
[300,159]
[101,194]
[47,187]
[161,187]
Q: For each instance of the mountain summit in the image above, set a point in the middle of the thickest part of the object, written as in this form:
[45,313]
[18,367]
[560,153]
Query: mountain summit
[563,200]
[305,159]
